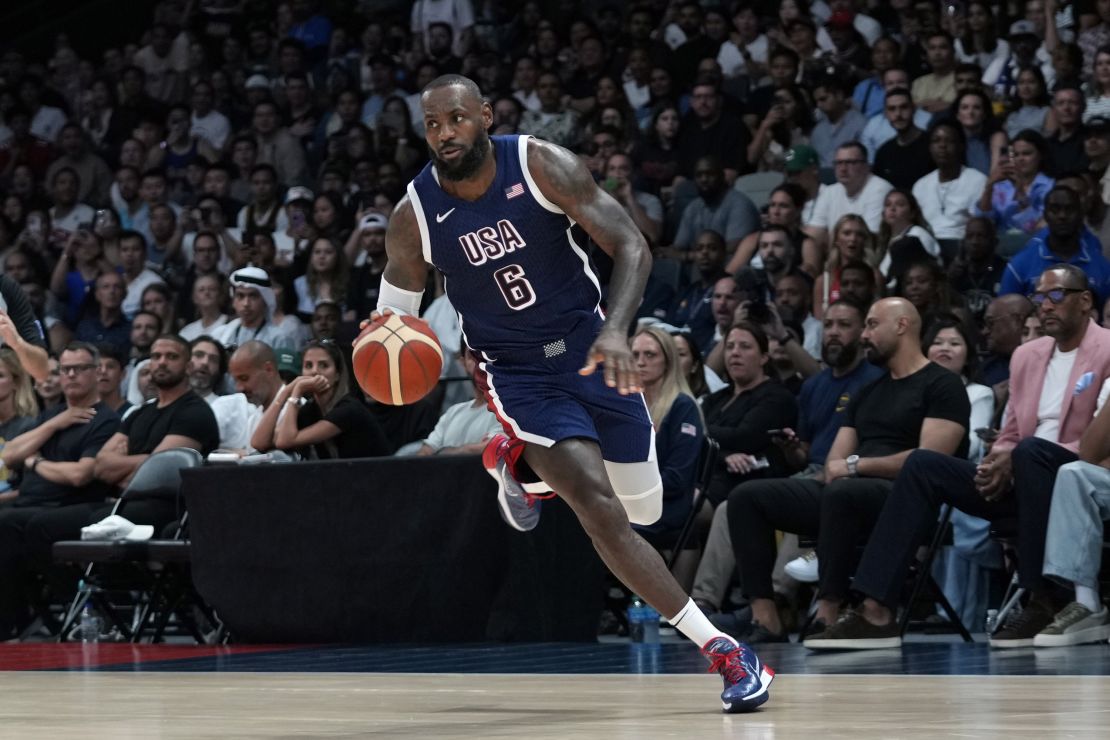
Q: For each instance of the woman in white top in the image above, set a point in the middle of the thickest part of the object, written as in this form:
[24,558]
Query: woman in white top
[325,279]
[1098,89]
[979,44]
[902,220]
[208,299]
[1030,104]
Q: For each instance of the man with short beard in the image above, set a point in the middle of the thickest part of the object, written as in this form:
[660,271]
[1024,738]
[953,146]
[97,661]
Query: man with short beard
[236,416]
[915,404]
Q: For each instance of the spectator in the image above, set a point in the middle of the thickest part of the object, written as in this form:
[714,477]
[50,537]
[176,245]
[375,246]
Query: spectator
[145,328]
[838,123]
[788,123]
[254,370]
[1064,146]
[692,308]
[235,415]
[904,235]
[208,298]
[46,120]
[254,303]
[822,405]
[947,195]
[979,42]
[1030,107]
[702,380]
[1042,433]
[330,422]
[739,416]
[18,407]
[103,320]
[132,254]
[937,90]
[905,158]
[718,207]
[976,272]
[93,176]
[158,300]
[57,455]
[326,278]
[465,427]
[365,252]
[326,318]
[793,294]
[277,147]
[110,378]
[20,330]
[923,284]
[80,263]
[206,123]
[783,209]
[49,388]
[985,138]
[851,242]
[915,404]
[645,209]
[656,157]
[1014,194]
[1062,243]
[554,121]
[710,131]
[856,191]
[68,213]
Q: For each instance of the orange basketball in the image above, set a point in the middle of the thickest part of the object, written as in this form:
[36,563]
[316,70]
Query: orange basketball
[397,359]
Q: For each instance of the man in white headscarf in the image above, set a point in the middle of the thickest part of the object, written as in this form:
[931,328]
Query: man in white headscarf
[253,299]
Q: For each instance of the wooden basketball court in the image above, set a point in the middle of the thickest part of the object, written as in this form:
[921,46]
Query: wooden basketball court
[132,692]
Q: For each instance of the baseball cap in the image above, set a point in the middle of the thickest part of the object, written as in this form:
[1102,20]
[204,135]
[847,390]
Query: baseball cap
[1022,26]
[257,82]
[288,361]
[298,192]
[841,19]
[1098,125]
[801,157]
[373,221]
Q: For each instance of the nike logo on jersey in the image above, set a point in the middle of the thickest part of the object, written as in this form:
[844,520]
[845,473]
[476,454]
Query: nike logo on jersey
[441,217]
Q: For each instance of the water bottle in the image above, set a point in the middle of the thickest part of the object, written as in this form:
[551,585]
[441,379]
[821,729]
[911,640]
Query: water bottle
[636,619]
[651,625]
[992,620]
[90,624]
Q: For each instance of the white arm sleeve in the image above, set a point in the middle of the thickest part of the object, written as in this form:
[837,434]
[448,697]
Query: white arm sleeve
[399,300]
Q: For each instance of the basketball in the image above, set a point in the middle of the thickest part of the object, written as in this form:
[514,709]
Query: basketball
[397,359]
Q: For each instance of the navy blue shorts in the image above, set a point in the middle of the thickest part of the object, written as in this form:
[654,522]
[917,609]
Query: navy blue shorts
[544,401]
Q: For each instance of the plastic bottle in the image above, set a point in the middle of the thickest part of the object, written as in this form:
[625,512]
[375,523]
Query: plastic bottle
[90,624]
[636,619]
[651,625]
[992,620]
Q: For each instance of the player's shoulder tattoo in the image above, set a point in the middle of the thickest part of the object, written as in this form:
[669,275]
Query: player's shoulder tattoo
[561,171]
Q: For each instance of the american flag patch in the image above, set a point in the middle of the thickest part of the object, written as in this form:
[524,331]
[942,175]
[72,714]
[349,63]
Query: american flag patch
[689,429]
[514,191]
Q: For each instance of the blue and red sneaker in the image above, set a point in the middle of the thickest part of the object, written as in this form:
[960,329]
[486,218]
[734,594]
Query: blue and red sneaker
[746,677]
[519,508]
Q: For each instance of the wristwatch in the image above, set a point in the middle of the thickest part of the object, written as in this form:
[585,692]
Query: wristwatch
[852,461]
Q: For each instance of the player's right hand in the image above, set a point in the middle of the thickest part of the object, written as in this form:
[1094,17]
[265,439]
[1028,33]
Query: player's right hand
[374,316]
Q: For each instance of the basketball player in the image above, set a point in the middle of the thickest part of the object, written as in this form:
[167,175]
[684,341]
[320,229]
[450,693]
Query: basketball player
[498,217]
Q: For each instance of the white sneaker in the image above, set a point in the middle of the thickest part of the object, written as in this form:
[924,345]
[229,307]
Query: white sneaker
[1075,624]
[803,569]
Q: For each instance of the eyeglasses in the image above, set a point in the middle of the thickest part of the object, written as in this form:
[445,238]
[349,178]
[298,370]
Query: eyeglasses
[1056,295]
[74,369]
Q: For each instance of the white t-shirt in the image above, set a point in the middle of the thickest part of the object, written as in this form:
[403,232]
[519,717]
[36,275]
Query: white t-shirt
[189,332]
[834,202]
[1052,394]
[237,418]
[459,14]
[132,302]
[732,61]
[923,236]
[47,123]
[463,424]
[213,128]
[947,205]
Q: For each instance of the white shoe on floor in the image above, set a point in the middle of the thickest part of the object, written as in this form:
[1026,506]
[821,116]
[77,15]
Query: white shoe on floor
[803,569]
[1075,624]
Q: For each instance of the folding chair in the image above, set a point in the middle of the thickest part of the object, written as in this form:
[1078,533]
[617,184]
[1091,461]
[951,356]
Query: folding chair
[925,584]
[707,463]
[154,564]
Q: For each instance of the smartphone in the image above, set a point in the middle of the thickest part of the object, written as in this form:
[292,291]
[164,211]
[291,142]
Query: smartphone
[610,184]
[986,434]
[101,219]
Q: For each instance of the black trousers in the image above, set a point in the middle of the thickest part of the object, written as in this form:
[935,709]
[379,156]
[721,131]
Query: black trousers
[841,515]
[28,534]
[930,479]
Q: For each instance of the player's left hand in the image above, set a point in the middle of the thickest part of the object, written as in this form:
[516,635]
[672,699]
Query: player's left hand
[611,350]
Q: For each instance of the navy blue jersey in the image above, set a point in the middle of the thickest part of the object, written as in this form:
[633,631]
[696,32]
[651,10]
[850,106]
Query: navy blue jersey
[512,268]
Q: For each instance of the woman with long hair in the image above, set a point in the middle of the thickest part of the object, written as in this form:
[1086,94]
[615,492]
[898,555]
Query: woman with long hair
[325,280]
[701,380]
[925,285]
[787,124]
[331,218]
[1017,186]
[985,139]
[49,389]
[784,208]
[852,241]
[81,263]
[902,220]
[324,418]
[656,157]
[158,300]
[394,138]
[18,405]
[1030,105]
[679,428]
[979,43]
[1098,89]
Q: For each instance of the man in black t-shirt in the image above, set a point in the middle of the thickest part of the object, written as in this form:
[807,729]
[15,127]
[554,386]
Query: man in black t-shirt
[905,159]
[915,404]
[58,458]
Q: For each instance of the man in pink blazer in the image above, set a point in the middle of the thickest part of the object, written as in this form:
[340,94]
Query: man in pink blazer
[1054,386]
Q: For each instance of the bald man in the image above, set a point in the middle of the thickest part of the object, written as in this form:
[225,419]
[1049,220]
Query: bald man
[914,404]
[1054,391]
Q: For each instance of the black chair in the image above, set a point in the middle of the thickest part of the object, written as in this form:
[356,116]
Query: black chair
[707,463]
[157,569]
[924,585]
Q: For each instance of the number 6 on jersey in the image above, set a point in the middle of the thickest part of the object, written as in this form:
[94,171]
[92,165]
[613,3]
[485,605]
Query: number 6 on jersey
[515,287]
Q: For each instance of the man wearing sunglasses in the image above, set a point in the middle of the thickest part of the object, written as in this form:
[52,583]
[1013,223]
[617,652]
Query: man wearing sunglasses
[1054,389]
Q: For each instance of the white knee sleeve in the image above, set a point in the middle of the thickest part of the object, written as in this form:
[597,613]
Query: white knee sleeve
[639,488]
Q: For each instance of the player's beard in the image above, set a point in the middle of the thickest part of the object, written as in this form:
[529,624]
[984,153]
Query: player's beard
[468,164]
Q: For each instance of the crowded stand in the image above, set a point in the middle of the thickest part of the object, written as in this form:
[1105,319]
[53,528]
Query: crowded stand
[880,234]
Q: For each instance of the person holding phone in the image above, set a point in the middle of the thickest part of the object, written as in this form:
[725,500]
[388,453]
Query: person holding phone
[1015,192]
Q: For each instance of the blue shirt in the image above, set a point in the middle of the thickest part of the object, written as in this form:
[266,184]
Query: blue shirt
[869,97]
[821,405]
[1009,213]
[313,33]
[1028,264]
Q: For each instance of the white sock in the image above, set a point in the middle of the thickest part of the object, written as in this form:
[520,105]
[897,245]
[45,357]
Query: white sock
[1088,597]
[691,622]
